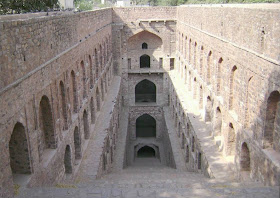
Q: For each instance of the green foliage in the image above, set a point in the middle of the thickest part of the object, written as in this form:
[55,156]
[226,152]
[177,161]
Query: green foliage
[83,5]
[23,6]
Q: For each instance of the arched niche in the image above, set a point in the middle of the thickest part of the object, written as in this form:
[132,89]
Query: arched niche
[144,45]
[19,152]
[245,158]
[146,151]
[136,41]
[145,91]
[145,61]
[145,126]
[68,160]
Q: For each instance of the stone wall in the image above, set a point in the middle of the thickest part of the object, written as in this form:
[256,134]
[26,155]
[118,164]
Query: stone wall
[56,71]
[160,141]
[29,43]
[128,22]
[230,65]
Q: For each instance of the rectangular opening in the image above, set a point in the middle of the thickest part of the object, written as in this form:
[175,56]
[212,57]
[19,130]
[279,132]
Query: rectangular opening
[129,63]
[160,62]
[172,60]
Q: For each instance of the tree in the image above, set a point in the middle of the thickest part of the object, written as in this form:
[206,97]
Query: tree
[23,6]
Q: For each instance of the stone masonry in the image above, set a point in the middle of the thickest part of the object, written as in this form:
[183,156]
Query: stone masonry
[198,84]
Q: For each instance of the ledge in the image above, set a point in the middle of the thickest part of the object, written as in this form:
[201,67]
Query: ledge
[92,157]
[146,71]
[219,167]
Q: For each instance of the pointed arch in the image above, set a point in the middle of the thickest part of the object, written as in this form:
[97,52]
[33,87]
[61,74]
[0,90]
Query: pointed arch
[77,144]
[194,54]
[92,111]
[108,50]
[231,87]
[199,161]
[194,88]
[201,60]
[145,61]
[102,90]
[63,105]
[187,154]
[47,139]
[220,62]
[231,140]
[190,81]
[272,114]
[248,102]
[84,79]
[97,95]
[74,92]
[145,91]
[200,97]
[68,160]
[208,110]
[146,151]
[104,54]
[96,64]
[193,144]
[145,126]
[179,129]
[183,141]
[19,151]
[154,40]
[90,71]
[86,126]
[100,57]
[217,125]
[144,45]
[209,65]
[245,158]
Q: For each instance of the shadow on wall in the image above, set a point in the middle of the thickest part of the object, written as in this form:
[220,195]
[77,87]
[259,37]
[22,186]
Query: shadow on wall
[254,142]
[142,49]
[262,124]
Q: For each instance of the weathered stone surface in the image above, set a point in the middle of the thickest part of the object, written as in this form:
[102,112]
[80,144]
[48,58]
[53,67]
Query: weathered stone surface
[211,84]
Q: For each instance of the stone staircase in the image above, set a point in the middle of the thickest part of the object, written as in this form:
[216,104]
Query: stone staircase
[120,145]
[152,182]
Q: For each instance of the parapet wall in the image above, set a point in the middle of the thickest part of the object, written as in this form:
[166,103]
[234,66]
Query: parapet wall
[64,65]
[30,42]
[134,14]
[53,94]
[228,58]
[253,27]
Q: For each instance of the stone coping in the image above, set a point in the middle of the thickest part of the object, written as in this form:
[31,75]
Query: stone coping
[28,16]
[272,6]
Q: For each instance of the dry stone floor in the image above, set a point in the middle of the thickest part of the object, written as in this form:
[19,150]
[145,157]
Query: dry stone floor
[148,179]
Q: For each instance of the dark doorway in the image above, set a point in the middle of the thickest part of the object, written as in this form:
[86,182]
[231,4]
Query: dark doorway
[145,91]
[18,149]
[144,46]
[145,126]
[146,151]
[245,158]
[67,160]
[145,61]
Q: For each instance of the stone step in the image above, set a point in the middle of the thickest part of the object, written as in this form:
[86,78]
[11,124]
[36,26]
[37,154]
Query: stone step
[152,182]
[120,145]
[151,190]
